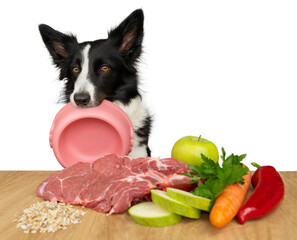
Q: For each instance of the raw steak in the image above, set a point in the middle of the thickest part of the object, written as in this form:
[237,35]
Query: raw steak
[112,182]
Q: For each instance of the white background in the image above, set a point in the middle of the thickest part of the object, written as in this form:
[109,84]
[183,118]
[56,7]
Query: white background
[224,69]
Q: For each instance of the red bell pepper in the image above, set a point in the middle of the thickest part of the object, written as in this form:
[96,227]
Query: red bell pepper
[268,192]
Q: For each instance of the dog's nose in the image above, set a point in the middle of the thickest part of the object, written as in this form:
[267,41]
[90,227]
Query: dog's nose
[82,99]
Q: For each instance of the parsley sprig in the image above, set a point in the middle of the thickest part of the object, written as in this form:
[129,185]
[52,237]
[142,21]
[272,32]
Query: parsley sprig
[218,177]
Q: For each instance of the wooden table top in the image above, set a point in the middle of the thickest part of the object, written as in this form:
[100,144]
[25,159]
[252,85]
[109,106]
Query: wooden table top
[17,192]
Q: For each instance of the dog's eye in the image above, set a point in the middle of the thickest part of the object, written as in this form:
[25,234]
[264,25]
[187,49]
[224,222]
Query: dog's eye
[104,68]
[75,69]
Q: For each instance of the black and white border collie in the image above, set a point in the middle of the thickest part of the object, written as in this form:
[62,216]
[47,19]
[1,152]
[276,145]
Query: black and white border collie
[104,69]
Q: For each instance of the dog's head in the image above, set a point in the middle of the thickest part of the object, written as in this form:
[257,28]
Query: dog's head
[98,70]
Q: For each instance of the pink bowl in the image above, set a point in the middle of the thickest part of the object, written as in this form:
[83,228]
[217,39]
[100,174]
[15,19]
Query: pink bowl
[85,134]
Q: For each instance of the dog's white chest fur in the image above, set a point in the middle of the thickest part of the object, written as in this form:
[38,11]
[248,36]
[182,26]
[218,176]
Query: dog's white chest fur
[137,114]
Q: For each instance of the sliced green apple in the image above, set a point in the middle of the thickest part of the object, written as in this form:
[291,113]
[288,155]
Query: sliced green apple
[150,214]
[190,199]
[163,200]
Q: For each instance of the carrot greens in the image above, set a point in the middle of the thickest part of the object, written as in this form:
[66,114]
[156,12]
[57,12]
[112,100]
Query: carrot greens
[218,177]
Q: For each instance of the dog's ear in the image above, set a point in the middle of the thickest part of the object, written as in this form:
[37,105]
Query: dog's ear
[58,44]
[128,35]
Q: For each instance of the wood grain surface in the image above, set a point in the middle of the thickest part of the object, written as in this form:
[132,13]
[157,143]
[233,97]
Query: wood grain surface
[17,192]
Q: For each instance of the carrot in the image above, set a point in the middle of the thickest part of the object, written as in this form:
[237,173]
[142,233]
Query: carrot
[229,202]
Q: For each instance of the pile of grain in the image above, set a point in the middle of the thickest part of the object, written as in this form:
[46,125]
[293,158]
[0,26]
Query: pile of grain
[48,217]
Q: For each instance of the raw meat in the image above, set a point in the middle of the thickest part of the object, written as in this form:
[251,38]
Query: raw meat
[113,182]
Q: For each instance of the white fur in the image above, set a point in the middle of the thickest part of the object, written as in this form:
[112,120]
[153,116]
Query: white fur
[83,83]
[137,113]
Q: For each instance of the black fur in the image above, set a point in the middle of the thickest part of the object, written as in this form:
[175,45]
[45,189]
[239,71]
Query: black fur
[120,52]
[143,132]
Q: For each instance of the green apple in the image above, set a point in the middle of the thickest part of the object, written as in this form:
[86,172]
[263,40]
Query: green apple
[188,149]
[150,214]
[163,200]
[190,199]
